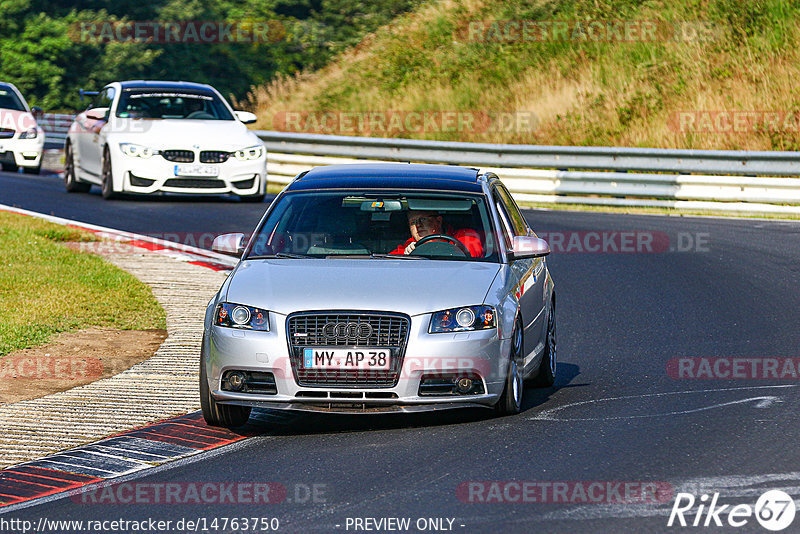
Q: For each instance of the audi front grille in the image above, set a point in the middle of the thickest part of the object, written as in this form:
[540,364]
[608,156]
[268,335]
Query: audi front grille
[347,329]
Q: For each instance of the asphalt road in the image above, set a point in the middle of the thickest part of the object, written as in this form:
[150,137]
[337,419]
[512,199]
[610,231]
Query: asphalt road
[614,415]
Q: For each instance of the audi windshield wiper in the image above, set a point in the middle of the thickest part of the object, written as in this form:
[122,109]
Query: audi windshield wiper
[283,255]
[398,256]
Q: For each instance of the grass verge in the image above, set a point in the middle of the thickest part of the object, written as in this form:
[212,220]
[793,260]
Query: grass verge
[46,288]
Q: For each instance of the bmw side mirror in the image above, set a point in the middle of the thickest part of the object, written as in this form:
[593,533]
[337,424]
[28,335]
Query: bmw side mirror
[230,244]
[246,117]
[529,247]
[98,114]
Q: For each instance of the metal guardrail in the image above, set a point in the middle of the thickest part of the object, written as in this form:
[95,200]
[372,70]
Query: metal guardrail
[538,156]
[55,126]
[714,180]
[731,180]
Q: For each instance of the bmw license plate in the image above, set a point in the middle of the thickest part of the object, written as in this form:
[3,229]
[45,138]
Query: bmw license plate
[352,358]
[196,170]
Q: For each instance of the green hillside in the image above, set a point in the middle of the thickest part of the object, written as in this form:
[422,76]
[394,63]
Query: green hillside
[52,48]
[681,73]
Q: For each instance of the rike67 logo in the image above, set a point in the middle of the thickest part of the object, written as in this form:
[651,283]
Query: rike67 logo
[774,511]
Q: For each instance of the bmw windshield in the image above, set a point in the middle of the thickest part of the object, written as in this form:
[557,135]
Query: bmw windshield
[386,224]
[170,104]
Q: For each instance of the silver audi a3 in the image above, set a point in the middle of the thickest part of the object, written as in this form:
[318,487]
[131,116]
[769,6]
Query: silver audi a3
[381,288]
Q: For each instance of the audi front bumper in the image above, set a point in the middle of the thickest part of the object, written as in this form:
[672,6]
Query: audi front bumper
[480,355]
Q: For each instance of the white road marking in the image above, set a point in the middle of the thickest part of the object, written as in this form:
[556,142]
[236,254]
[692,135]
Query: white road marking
[763,402]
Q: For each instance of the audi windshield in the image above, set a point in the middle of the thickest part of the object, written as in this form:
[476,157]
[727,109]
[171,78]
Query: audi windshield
[382,224]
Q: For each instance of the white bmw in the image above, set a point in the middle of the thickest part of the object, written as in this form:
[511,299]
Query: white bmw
[177,137]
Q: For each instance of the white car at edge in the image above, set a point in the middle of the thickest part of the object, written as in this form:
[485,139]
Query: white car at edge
[21,138]
[157,136]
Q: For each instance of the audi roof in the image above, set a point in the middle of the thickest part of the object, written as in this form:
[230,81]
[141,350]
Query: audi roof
[389,176]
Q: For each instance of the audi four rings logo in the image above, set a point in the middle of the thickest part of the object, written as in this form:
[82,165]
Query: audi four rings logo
[347,330]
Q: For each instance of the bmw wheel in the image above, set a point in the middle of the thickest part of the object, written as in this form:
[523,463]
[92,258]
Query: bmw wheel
[225,415]
[107,177]
[510,402]
[547,367]
[71,182]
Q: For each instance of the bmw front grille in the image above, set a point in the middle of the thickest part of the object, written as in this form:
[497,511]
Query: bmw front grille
[180,156]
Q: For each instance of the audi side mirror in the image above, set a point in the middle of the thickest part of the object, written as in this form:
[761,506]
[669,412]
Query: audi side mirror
[529,247]
[230,244]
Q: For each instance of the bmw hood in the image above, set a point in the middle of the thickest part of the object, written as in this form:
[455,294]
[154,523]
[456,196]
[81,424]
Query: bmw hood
[183,134]
[408,286]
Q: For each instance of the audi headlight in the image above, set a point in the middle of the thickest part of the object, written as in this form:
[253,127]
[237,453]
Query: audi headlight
[29,134]
[251,152]
[137,151]
[240,316]
[464,319]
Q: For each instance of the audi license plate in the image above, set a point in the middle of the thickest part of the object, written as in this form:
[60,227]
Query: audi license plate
[196,170]
[352,358]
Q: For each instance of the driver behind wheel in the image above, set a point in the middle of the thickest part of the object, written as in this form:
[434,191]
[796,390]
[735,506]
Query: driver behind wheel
[424,223]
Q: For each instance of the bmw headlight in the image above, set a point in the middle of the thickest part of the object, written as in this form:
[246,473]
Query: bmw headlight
[240,316]
[29,134]
[137,151]
[251,152]
[464,319]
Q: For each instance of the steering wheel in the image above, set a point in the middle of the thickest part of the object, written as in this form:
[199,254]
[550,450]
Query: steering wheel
[443,237]
[200,114]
